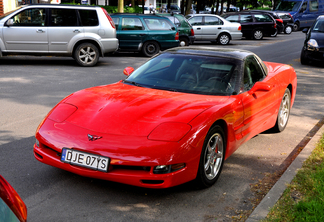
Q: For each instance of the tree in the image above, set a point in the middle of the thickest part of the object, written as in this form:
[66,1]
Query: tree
[120,7]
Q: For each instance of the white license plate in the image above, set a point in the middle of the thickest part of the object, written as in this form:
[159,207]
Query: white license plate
[83,159]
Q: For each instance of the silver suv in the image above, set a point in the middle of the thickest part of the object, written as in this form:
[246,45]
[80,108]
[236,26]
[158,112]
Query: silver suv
[83,32]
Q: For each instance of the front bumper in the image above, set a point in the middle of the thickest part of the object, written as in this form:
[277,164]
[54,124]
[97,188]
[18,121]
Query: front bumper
[132,160]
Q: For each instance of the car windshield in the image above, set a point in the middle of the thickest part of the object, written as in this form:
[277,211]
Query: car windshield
[196,74]
[289,6]
[319,26]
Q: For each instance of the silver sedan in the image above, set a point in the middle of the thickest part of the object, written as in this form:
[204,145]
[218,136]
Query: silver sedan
[209,27]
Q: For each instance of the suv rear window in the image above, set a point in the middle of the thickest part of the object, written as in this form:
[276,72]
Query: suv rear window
[157,24]
[89,17]
[63,17]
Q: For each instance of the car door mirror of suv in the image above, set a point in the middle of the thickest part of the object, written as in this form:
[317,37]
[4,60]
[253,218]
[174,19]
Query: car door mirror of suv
[173,28]
[10,22]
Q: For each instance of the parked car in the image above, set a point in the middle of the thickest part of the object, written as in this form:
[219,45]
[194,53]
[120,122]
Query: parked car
[83,32]
[284,20]
[255,25]
[304,12]
[313,49]
[186,32]
[145,33]
[176,118]
[12,207]
[209,27]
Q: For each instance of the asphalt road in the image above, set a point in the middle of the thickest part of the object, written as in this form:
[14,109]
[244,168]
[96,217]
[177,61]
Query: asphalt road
[31,86]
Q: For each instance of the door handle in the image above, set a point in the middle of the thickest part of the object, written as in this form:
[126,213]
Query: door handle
[219,27]
[198,28]
[76,31]
[40,31]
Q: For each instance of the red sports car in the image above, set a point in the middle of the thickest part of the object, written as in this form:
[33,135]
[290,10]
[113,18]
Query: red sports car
[174,119]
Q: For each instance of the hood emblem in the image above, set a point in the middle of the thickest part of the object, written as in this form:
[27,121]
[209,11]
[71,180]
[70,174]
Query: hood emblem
[93,137]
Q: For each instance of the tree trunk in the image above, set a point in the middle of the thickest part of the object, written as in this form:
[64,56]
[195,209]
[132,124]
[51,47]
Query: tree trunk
[120,6]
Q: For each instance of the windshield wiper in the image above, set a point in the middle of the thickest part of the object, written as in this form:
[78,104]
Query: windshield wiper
[132,82]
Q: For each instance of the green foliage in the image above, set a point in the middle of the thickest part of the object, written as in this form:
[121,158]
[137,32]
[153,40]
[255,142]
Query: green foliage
[303,200]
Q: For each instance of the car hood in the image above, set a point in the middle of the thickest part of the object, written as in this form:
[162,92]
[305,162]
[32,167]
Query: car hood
[319,37]
[123,109]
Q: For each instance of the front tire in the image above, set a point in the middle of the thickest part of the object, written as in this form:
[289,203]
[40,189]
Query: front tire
[303,58]
[150,49]
[212,157]
[86,54]
[296,26]
[284,112]
[257,34]
[223,39]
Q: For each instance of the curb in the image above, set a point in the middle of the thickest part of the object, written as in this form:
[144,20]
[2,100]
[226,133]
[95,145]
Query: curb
[262,210]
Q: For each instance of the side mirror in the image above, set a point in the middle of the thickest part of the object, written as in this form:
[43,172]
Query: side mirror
[260,86]
[305,30]
[128,70]
[10,22]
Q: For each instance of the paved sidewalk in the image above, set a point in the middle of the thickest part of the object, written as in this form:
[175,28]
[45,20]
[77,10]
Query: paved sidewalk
[262,210]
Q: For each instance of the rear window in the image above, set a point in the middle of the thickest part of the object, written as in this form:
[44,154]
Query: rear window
[158,24]
[89,17]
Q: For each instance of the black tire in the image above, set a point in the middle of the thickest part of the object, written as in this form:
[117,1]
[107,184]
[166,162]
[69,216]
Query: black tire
[303,58]
[284,112]
[86,54]
[183,41]
[150,49]
[275,34]
[215,139]
[257,34]
[288,29]
[224,39]
[296,26]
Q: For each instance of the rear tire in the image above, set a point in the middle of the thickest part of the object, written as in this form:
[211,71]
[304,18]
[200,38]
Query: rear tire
[284,112]
[150,48]
[288,29]
[86,54]
[223,39]
[257,34]
[211,158]
[184,41]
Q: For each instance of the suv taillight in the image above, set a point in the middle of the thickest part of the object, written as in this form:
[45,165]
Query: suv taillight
[239,28]
[275,25]
[109,18]
[192,32]
[176,36]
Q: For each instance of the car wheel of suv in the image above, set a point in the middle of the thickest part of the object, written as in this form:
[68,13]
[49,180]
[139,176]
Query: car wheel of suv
[184,41]
[150,48]
[275,34]
[288,29]
[223,39]
[296,26]
[257,34]
[86,54]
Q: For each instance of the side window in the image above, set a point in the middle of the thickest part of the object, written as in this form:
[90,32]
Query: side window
[89,17]
[246,18]
[233,18]
[116,21]
[63,17]
[252,73]
[303,7]
[263,18]
[313,7]
[131,24]
[196,20]
[158,24]
[211,20]
[30,17]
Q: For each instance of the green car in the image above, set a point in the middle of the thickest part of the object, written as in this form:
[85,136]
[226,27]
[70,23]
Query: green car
[186,32]
[145,33]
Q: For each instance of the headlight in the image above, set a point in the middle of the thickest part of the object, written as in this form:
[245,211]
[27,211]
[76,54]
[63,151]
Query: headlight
[170,132]
[62,112]
[312,45]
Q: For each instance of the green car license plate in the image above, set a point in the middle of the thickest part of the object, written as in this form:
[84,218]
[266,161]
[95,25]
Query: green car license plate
[83,159]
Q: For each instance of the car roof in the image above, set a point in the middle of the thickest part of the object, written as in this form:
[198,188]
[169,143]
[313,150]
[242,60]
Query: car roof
[61,6]
[239,54]
[137,14]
